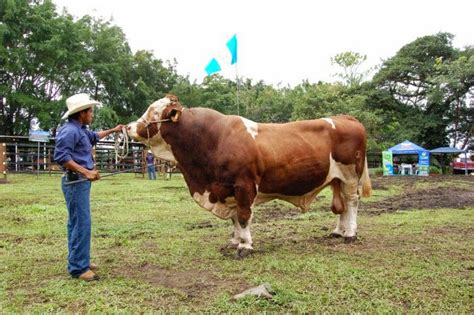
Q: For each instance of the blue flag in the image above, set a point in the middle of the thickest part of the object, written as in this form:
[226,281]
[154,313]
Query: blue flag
[213,66]
[232,45]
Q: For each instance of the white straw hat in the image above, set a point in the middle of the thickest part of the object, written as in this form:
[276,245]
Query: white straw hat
[78,102]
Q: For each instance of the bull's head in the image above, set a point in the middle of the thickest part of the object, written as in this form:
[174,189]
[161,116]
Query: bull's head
[147,128]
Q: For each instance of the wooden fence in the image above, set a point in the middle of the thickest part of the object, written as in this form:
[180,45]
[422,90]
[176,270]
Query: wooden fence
[19,155]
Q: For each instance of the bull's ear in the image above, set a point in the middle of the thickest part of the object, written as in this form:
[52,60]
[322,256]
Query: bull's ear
[175,114]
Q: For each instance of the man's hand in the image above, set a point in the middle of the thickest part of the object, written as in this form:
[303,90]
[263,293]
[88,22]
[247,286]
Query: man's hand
[92,175]
[107,132]
[118,128]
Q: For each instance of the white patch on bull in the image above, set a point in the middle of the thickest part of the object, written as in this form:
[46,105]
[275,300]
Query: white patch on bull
[246,237]
[222,210]
[159,105]
[235,240]
[242,237]
[161,150]
[251,126]
[329,120]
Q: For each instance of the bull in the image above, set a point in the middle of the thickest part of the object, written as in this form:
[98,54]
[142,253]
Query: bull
[230,163]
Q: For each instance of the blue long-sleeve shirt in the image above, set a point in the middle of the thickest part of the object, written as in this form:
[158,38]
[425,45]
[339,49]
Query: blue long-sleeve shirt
[74,142]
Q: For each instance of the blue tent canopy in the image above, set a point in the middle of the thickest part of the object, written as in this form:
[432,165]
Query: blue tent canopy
[406,147]
[447,150]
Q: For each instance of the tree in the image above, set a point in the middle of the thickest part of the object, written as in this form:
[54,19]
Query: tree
[350,62]
[320,100]
[417,77]
[33,70]
[219,94]
[46,57]
[454,88]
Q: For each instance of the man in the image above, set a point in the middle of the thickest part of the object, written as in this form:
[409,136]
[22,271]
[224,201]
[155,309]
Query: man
[73,151]
[150,163]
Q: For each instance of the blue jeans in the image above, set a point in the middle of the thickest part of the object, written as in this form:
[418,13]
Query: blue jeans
[151,172]
[78,226]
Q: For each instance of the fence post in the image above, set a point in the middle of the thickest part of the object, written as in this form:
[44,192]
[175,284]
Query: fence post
[3,162]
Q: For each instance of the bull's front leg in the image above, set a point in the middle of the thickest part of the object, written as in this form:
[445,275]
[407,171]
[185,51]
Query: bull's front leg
[244,195]
[235,239]
[241,238]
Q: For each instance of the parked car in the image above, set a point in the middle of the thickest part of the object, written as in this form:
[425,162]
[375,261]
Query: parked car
[459,164]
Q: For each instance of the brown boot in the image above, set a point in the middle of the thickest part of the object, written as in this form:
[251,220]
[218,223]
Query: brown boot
[89,276]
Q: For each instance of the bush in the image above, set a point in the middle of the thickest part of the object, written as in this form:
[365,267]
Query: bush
[435,170]
[376,171]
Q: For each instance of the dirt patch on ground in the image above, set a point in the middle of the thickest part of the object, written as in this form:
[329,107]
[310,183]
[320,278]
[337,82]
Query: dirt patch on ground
[454,195]
[444,197]
[384,182]
[202,225]
[269,212]
[196,285]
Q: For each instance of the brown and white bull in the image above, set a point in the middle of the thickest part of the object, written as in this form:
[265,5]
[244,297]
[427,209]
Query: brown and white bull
[231,164]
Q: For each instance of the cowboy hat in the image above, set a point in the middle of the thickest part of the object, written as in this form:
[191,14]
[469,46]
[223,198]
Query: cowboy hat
[78,102]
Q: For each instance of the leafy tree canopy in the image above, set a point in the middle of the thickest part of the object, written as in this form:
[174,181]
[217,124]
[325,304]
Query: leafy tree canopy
[423,93]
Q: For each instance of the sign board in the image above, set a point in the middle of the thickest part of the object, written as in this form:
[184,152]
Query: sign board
[39,135]
[424,163]
[387,163]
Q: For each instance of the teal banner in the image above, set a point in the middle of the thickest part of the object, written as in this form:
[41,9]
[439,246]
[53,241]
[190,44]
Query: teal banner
[387,163]
[423,163]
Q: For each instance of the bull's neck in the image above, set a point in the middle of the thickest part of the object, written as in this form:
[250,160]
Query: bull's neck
[190,139]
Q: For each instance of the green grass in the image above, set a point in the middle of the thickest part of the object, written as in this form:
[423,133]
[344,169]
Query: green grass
[158,251]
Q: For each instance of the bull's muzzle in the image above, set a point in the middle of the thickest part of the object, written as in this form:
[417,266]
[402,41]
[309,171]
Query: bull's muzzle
[132,130]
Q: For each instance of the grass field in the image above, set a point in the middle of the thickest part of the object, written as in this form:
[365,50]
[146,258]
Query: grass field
[158,251]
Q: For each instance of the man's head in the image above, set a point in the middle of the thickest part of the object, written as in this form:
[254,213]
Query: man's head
[85,116]
[81,108]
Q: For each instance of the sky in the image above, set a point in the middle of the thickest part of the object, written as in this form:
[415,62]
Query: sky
[281,42]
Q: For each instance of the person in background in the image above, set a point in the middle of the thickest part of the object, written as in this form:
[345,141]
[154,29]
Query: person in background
[73,151]
[150,164]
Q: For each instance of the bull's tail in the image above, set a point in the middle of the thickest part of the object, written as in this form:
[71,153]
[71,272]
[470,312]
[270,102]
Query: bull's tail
[365,179]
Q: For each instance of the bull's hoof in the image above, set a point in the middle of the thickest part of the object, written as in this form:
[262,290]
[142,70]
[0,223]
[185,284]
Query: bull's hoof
[232,245]
[350,239]
[335,235]
[228,247]
[243,252]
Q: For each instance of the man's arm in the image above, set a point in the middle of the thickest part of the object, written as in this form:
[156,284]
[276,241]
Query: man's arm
[89,174]
[105,133]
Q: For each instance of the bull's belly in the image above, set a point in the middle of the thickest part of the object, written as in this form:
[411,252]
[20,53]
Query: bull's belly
[228,209]
[301,201]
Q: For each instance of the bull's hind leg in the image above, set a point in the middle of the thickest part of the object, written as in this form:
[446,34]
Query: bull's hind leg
[338,207]
[345,198]
[349,217]
[245,195]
